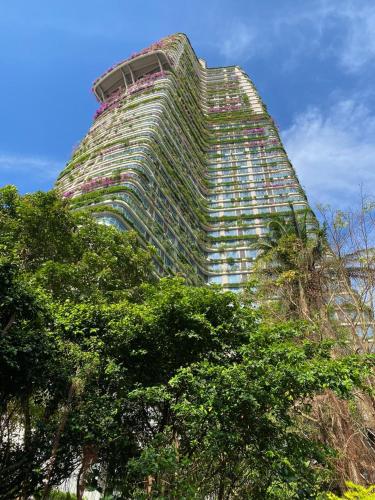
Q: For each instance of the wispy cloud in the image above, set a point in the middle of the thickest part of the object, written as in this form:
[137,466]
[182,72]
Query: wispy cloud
[240,44]
[359,43]
[344,31]
[33,166]
[333,151]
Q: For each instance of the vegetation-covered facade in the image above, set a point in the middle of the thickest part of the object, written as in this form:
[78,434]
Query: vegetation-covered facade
[189,157]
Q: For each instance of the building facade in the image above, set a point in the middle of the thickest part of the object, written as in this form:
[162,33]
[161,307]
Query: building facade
[189,157]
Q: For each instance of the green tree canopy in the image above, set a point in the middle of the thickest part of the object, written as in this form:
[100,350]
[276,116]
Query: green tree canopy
[152,388]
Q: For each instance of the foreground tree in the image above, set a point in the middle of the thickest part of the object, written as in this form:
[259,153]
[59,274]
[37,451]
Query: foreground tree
[351,237]
[149,389]
[355,492]
[289,270]
[32,380]
[327,278]
[49,255]
[232,431]
[186,394]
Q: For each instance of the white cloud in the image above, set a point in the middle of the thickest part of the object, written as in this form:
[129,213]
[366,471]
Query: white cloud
[32,166]
[359,44]
[333,152]
[344,30]
[240,44]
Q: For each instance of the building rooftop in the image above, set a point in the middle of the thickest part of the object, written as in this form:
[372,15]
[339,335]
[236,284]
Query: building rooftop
[128,72]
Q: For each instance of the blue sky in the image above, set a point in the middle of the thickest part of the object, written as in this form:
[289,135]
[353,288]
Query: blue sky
[313,62]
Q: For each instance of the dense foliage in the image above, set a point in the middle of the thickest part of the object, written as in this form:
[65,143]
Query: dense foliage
[147,388]
[355,492]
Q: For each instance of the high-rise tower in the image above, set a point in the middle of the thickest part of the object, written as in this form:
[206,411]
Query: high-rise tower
[187,156]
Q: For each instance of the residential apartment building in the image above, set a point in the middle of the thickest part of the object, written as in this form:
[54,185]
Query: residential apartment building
[189,157]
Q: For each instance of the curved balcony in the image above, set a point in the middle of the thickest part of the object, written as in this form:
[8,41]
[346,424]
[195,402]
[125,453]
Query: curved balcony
[129,72]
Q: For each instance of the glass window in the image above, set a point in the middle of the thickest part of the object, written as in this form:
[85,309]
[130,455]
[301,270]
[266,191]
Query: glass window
[249,230]
[214,256]
[251,253]
[215,279]
[234,278]
[215,267]
[232,254]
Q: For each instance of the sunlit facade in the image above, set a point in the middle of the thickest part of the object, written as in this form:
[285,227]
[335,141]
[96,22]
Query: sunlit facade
[189,157]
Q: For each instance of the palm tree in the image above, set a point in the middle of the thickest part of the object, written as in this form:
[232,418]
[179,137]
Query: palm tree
[290,262]
[298,267]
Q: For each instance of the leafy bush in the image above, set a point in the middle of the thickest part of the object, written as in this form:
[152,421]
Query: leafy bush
[355,492]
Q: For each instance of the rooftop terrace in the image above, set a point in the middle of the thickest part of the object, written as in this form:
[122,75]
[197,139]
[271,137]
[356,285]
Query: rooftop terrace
[128,72]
